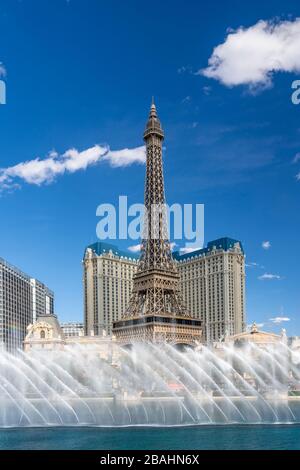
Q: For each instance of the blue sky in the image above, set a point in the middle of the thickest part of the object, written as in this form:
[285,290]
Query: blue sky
[80,75]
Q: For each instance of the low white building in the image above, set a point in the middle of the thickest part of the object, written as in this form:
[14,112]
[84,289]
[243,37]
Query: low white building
[72,329]
[47,335]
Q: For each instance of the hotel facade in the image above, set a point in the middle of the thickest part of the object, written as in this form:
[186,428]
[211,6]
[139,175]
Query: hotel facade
[22,300]
[213,287]
[107,283]
[212,284]
[71,329]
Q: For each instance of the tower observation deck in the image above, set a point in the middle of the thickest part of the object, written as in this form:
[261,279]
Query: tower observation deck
[156,311]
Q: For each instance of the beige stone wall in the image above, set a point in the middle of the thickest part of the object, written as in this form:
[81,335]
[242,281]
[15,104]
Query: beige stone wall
[213,288]
[107,288]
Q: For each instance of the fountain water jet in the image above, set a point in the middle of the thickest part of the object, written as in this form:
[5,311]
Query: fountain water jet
[150,385]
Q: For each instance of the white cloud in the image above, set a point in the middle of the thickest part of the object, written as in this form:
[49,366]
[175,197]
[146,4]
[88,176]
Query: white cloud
[298,177]
[135,248]
[296,158]
[206,90]
[266,245]
[184,69]
[279,319]
[2,70]
[125,157]
[250,56]
[42,171]
[187,249]
[252,265]
[269,277]
[186,99]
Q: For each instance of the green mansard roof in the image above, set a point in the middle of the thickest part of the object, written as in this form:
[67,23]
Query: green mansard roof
[224,243]
[101,248]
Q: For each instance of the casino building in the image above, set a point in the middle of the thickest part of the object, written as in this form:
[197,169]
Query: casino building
[156,311]
[206,286]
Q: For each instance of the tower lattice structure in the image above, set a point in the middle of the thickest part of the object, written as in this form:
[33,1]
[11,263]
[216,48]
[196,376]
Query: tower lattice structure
[156,287]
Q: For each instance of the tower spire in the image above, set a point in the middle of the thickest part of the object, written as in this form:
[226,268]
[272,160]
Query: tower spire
[156,311]
[156,255]
[153,125]
[153,112]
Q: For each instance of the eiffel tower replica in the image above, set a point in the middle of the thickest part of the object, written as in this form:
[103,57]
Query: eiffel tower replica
[156,312]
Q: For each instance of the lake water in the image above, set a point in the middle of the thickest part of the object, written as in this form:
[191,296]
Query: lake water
[280,437]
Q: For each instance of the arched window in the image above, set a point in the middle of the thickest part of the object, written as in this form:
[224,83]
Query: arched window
[43,335]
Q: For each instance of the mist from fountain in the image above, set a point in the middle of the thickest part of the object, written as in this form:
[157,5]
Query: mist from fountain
[150,385]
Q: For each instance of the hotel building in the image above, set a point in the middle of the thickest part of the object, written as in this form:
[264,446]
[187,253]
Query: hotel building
[42,299]
[71,329]
[22,299]
[107,280]
[212,285]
